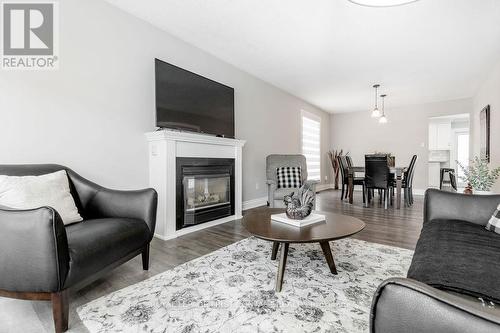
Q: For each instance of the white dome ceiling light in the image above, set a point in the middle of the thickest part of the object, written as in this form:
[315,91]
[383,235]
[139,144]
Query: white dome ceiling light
[381,3]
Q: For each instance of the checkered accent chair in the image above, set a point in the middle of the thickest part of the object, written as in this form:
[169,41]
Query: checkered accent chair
[273,162]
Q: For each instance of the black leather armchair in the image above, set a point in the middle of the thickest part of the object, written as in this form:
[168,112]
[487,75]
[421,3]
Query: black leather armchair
[41,258]
[407,305]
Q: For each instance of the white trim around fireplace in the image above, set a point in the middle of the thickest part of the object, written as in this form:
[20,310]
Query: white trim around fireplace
[164,148]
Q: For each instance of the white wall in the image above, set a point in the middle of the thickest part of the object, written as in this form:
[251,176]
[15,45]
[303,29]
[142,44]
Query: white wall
[402,136]
[489,93]
[93,112]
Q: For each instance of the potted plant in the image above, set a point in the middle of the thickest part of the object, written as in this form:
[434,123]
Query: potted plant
[479,176]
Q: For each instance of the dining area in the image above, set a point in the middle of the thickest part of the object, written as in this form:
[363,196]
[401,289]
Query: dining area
[380,175]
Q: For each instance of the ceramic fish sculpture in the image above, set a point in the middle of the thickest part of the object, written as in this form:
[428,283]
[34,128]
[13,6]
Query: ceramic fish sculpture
[300,205]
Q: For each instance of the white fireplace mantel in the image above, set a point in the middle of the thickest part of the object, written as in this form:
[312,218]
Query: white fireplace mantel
[164,148]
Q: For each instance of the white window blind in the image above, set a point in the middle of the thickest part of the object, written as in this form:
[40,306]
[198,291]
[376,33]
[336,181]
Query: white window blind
[311,141]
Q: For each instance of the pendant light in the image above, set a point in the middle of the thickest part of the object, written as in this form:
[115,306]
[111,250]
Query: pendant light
[376,112]
[383,118]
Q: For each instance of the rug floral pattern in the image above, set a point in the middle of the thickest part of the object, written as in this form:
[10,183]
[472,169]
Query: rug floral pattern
[232,290]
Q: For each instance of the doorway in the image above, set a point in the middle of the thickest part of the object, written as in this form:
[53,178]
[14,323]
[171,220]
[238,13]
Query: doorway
[449,141]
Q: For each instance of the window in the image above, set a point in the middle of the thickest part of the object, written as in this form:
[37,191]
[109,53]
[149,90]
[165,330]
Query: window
[311,141]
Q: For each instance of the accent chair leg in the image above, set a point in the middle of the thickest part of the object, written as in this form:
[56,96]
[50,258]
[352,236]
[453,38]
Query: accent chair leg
[60,310]
[145,258]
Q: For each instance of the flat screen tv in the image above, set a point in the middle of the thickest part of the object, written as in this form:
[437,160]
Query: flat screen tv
[187,101]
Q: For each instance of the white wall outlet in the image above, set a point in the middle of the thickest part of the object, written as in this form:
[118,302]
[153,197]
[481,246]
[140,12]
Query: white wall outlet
[257,186]
[326,177]
[422,144]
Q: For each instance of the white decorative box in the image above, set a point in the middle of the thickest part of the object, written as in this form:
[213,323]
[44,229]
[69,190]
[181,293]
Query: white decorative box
[311,219]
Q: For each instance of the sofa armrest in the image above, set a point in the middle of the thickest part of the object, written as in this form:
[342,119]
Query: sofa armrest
[34,254]
[455,206]
[312,184]
[139,204]
[406,305]
[96,201]
[271,187]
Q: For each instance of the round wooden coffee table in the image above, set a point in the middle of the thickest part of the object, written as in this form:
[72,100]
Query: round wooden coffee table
[336,226]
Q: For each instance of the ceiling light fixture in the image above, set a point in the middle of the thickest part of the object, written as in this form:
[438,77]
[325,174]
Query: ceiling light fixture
[383,118]
[381,3]
[376,112]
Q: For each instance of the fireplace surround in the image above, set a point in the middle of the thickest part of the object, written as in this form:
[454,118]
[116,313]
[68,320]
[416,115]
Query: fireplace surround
[168,150]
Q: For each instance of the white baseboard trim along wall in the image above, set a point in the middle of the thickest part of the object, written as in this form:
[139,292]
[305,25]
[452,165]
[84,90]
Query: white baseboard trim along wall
[253,203]
[258,202]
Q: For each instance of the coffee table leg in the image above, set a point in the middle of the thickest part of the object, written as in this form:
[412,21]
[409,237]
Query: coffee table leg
[276,246]
[325,246]
[281,267]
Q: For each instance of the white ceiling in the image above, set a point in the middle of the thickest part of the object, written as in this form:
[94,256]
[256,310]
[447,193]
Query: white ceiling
[330,52]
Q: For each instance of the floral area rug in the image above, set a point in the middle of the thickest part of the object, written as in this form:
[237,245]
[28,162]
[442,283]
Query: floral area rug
[232,290]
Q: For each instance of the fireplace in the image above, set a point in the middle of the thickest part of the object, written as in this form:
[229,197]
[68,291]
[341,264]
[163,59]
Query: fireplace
[205,190]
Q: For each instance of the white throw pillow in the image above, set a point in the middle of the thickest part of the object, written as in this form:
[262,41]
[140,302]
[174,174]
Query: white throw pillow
[28,192]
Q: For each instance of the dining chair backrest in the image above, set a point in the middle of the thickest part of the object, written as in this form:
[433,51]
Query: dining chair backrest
[411,171]
[349,161]
[343,168]
[391,160]
[377,171]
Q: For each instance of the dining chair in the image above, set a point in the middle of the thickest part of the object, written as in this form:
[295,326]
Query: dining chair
[349,161]
[344,174]
[377,176]
[407,183]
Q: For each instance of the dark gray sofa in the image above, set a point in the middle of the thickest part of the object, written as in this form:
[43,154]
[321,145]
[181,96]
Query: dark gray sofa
[455,262]
[41,258]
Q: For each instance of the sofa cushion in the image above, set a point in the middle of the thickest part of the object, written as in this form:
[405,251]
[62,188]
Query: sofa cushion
[95,244]
[289,177]
[494,222]
[28,192]
[458,256]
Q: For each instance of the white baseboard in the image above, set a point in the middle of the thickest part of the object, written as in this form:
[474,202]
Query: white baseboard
[322,187]
[194,228]
[258,202]
[417,191]
[253,203]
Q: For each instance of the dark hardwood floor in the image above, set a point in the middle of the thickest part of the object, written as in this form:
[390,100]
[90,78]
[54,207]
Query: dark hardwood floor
[392,227]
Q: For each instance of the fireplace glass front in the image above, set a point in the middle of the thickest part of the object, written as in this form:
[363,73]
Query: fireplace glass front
[206,191]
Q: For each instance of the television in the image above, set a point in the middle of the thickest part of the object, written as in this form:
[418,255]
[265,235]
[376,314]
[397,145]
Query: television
[190,102]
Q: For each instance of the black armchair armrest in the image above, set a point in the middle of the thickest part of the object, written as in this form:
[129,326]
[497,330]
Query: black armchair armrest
[98,202]
[33,250]
[139,204]
[454,206]
[406,305]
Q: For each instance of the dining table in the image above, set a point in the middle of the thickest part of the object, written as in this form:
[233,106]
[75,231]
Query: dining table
[394,170]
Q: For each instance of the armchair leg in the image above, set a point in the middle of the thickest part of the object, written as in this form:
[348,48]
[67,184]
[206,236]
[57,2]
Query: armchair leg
[145,258]
[60,310]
